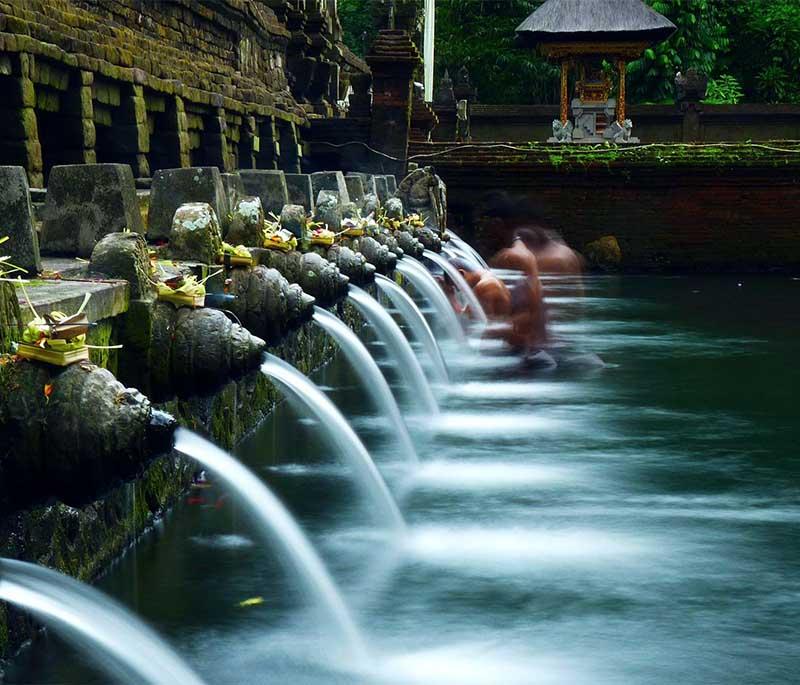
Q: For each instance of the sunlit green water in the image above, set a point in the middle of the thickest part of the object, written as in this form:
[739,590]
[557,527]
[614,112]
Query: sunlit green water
[636,524]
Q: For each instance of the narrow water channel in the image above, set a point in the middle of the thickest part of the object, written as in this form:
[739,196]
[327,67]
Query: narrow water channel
[638,523]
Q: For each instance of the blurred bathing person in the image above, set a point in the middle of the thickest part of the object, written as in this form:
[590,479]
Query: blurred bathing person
[528,312]
[553,255]
[516,312]
[492,293]
[507,220]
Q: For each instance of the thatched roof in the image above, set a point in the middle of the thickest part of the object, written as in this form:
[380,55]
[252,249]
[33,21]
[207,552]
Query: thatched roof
[594,20]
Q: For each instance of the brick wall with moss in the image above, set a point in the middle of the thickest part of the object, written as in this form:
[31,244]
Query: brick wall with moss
[671,207]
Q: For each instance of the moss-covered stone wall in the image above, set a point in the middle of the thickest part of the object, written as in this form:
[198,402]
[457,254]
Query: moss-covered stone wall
[164,84]
[9,317]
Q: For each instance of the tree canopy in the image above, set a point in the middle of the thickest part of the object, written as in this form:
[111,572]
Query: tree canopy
[750,49]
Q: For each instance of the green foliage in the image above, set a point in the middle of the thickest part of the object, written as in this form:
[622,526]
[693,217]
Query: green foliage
[773,84]
[700,38]
[765,50]
[357,24]
[754,43]
[480,36]
[724,90]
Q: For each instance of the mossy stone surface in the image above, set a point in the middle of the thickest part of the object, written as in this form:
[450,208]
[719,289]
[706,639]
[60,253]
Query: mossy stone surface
[86,202]
[16,221]
[172,188]
[10,318]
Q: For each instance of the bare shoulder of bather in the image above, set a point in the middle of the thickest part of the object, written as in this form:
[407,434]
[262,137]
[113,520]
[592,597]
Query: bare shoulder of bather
[558,258]
[518,258]
[493,295]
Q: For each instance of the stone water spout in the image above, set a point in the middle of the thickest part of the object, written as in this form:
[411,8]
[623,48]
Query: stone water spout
[192,350]
[266,303]
[410,245]
[72,433]
[95,623]
[375,253]
[313,273]
[389,240]
[351,263]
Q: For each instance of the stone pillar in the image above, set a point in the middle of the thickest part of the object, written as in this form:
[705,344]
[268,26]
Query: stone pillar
[215,150]
[290,149]
[392,59]
[249,143]
[20,144]
[178,116]
[131,133]
[269,147]
[361,97]
[81,107]
[333,85]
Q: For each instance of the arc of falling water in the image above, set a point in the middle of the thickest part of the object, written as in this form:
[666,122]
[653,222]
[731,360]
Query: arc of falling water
[461,284]
[413,316]
[339,434]
[370,374]
[281,531]
[391,335]
[427,286]
[455,252]
[87,617]
[466,247]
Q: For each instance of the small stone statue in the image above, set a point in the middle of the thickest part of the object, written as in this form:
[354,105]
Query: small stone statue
[620,133]
[562,133]
[463,133]
[423,192]
[690,87]
[445,94]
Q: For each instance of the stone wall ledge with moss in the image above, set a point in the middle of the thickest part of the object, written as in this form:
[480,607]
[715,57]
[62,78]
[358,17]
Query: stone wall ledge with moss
[83,541]
[568,157]
[687,208]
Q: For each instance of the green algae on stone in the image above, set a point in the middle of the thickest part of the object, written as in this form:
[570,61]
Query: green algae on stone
[10,317]
[566,157]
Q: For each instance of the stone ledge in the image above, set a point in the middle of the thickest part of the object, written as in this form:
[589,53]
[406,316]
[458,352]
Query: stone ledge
[108,298]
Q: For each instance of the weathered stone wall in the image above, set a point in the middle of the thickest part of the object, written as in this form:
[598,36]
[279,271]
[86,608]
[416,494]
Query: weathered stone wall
[165,84]
[652,123]
[671,207]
